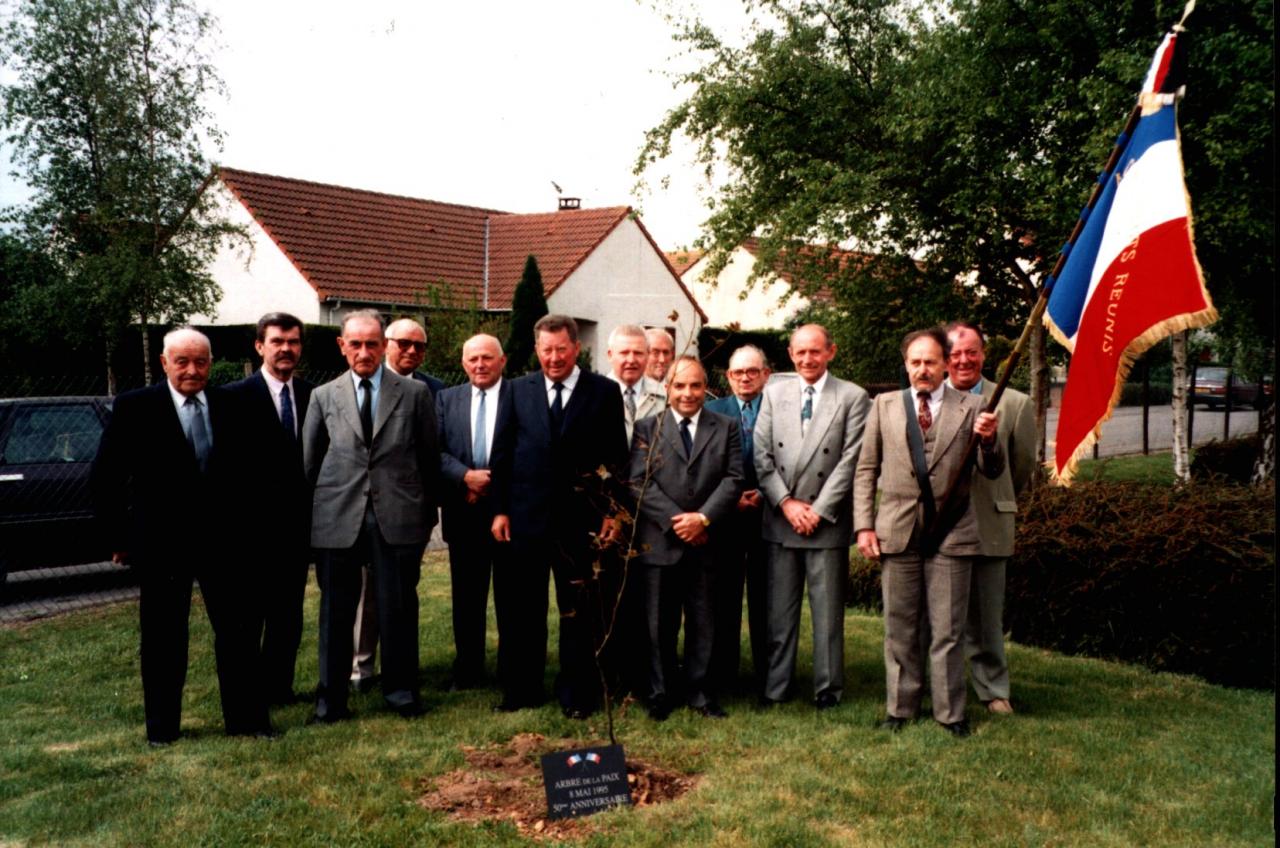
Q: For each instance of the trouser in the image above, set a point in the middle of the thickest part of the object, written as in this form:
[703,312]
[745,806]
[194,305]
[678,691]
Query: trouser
[365,629]
[825,570]
[395,570]
[670,590]
[471,560]
[942,583]
[984,631]
[743,561]
[276,626]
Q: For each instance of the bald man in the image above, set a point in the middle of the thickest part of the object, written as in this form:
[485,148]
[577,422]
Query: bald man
[466,416]
[159,482]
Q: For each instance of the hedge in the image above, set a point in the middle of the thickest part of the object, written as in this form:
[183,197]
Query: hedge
[1176,578]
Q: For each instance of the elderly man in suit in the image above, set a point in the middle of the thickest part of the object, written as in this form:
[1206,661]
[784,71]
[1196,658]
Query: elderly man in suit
[628,357]
[995,503]
[467,416]
[745,553]
[559,450]
[369,448]
[806,443]
[158,485]
[662,349]
[916,443]
[686,476]
[270,407]
[406,350]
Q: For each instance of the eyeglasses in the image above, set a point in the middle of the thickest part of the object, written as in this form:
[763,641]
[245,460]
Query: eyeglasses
[739,373]
[418,347]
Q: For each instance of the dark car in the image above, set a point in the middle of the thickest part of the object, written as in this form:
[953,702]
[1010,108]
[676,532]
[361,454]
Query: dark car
[1211,388]
[47,446]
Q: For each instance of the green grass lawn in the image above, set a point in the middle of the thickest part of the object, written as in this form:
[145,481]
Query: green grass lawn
[1100,754]
[1156,468]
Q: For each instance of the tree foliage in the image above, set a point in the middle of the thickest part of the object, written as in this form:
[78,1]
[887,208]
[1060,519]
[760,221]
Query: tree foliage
[528,304]
[967,134]
[110,126]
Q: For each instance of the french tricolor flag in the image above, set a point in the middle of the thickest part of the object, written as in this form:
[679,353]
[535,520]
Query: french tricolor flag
[1131,278]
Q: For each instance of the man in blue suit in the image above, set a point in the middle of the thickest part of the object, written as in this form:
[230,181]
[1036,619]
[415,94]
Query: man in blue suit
[467,416]
[406,349]
[745,553]
[270,407]
[560,451]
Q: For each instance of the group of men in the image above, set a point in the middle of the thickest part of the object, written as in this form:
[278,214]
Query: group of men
[645,503]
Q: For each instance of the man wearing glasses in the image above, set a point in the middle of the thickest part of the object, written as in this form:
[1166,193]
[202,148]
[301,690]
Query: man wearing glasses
[406,348]
[744,556]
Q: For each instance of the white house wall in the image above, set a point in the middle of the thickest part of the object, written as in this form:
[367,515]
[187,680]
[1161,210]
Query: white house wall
[255,282]
[761,309]
[625,281]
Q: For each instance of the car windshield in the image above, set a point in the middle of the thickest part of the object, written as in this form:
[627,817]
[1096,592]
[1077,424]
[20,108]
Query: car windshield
[1218,375]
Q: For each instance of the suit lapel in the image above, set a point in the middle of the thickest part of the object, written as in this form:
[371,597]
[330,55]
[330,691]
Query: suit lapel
[670,430]
[348,403]
[577,401]
[948,424]
[818,424]
[706,429]
[460,412]
[389,395]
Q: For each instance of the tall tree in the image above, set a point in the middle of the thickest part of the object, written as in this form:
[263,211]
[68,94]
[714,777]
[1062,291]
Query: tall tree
[966,134]
[109,122]
[528,304]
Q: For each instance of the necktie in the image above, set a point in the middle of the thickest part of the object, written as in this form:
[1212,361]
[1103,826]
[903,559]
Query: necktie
[925,416]
[286,411]
[197,434]
[629,398]
[366,411]
[806,412]
[480,446]
[685,437]
[557,410]
[748,426]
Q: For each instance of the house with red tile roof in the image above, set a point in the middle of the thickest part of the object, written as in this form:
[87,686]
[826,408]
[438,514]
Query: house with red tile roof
[320,251]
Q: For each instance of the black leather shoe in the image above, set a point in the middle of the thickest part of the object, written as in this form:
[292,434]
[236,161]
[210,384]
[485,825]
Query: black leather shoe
[710,710]
[413,709]
[576,713]
[331,717]
[268,734]
[161,743]
[826,701]
[959,729]
[766,703]
[893,724]
[365,684]
[659,709]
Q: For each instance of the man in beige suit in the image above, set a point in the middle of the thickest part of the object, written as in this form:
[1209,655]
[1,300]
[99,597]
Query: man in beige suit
[806,444]
[995,502]
[628,357]
[921,435]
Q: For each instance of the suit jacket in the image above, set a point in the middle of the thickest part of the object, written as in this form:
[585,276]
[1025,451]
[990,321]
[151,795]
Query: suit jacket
[996,501]
[650,400]
[150,497]
[886,459]
[544,483]
[665,482]
[816,468]
[265,454]
[435,384]
[453,418]
[728,405]
[398,472]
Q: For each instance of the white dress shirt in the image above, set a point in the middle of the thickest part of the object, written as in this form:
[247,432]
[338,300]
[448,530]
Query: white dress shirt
[273,387]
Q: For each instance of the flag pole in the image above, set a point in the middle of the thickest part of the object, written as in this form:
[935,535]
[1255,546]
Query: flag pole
[1037,313]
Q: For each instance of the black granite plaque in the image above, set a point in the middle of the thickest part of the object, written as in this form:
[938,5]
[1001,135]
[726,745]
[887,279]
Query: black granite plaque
[585,781]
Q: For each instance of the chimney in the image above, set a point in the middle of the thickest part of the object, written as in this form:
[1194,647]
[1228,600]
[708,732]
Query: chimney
[570,203]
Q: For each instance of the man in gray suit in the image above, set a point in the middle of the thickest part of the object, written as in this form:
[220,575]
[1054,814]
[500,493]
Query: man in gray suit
[686,475]
[807,438]
[995,502]
[369,449]
[915,444]
[628,357]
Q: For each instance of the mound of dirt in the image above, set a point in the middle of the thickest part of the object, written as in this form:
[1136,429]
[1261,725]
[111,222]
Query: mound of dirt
[504,783]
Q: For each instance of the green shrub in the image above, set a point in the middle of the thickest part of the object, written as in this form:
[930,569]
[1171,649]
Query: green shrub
[1158,394]
[1231,460]
[1175,578]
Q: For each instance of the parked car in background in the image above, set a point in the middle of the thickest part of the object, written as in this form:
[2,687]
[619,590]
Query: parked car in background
[47,446]
[1211,388]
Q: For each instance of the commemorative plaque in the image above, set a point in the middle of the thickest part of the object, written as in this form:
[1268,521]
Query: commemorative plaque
[585,781]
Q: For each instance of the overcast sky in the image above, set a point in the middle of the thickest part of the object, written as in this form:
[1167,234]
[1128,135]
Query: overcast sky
[483,104]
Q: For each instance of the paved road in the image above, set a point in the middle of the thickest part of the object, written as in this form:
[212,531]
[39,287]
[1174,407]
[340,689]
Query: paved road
[1123,433]
[43,592]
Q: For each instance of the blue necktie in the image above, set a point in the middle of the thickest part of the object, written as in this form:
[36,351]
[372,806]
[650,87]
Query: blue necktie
[198,435]
[480,447]
[807,411]
[286,412]
[748,427]
[686,438]
[557,411]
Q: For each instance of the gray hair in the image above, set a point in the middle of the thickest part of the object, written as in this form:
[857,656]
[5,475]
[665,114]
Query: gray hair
[628,331]
[181,334]
[363,315]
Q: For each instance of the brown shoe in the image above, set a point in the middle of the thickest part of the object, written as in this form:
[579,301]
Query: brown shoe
[1000,706]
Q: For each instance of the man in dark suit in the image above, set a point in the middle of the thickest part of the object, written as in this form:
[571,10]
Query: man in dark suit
[466,416]
[270,407]
[158,486]
[686,476]
[559,450]
[406,349]
[745,552]
[369,449]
